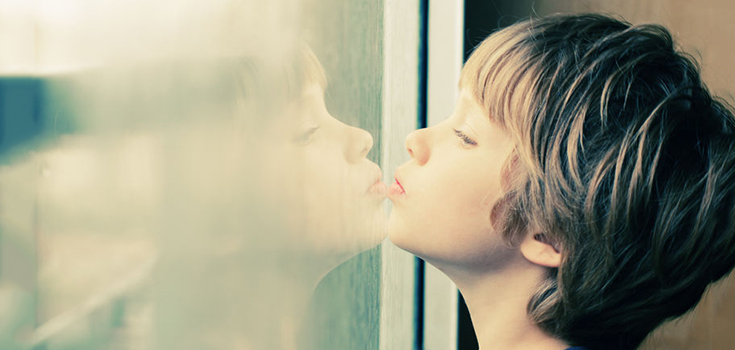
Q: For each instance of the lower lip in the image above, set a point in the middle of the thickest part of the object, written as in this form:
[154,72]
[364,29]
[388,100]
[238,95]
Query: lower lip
[379,188]
[395,190]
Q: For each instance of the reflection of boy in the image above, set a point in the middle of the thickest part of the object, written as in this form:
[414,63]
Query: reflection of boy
[624,166]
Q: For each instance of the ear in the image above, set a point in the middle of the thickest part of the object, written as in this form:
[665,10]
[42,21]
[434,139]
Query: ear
[541,250]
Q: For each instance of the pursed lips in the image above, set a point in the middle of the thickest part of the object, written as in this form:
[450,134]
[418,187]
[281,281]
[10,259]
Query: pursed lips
[377,186]
[396,188]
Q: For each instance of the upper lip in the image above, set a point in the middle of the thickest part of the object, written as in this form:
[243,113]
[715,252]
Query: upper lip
[377,177]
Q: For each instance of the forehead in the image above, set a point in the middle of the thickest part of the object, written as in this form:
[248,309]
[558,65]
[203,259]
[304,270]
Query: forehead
[468,105]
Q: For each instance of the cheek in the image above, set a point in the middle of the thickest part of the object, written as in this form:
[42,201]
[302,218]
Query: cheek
[447,216]
[326,178]
[279,177]
[436,213]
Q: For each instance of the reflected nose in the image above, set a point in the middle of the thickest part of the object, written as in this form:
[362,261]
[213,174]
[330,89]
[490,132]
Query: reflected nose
[417,146]
[359,144]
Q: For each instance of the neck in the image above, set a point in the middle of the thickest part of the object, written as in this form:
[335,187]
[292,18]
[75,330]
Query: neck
[497,302]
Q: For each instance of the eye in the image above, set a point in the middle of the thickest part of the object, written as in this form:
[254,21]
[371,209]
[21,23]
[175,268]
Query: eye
[465,139]
[305,137]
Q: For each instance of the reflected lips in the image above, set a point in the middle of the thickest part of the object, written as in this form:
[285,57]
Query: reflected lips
[378,187]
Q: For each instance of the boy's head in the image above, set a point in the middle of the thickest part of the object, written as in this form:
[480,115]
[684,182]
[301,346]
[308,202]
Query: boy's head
[623,160]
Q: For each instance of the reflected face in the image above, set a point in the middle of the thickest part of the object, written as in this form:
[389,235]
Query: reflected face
[335,192]
[442,197]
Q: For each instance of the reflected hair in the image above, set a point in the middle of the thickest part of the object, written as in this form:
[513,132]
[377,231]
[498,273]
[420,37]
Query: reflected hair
[623,159]
[266,84]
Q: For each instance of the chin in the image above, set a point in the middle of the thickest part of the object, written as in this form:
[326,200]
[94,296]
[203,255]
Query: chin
[375,230]
[362,232]
[399,235]
[416,240]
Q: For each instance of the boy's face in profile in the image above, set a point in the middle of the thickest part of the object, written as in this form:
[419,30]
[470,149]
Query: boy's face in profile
[445,194]
[328,189]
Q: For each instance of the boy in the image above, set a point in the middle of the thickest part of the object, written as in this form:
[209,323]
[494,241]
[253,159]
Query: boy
[583,191]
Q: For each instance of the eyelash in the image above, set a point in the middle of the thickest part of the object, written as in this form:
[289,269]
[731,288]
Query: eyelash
[305,137]
[465,139]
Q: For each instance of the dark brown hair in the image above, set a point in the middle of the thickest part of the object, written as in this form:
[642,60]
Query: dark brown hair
[623,158]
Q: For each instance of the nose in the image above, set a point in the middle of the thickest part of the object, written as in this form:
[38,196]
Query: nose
[359,144]
[417,146]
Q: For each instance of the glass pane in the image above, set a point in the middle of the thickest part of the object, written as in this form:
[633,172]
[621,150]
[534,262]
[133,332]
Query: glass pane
[192,175]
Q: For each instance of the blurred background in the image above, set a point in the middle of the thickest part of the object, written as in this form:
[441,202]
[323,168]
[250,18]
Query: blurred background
[199,174]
